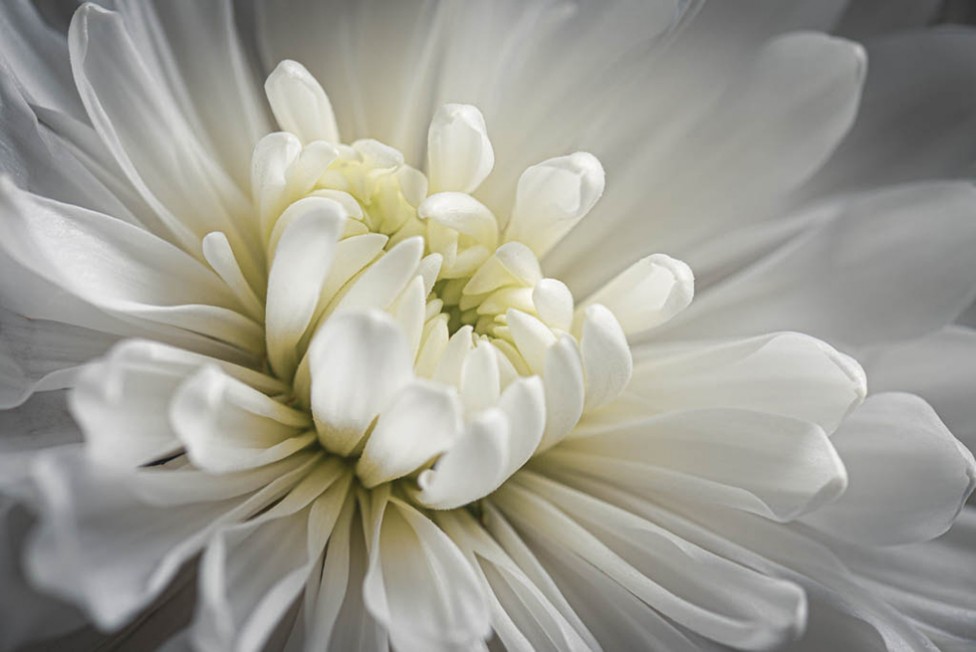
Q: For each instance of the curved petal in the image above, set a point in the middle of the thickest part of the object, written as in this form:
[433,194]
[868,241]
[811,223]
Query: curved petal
[769,465]
[844,278]
[909,477]
[358,362]
[419,585]
[785,373]
[671,575]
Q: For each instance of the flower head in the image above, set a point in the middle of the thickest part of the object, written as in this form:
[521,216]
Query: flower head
[356,380]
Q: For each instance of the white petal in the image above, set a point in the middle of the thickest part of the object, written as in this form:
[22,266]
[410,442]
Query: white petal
[337,617]
[480,378]
[607,364]
[419,585]
[227,425]
[189,190]
[909,476]
[648,293]
[554,303]
[522,617]
[839,281]
[104,549]
[773,466]
[385,279]
[524,404]
[422,421]
[221,258]
[299,104]
[45,354]
[785,373]
[309,230]
[565,390]
[532,337]
[122,401]
[358,362]
[552,197]
[459,154]
[941,368]
[120,268]
[472,468]
[730,161]
[674,576]
[251,572]
[463,213]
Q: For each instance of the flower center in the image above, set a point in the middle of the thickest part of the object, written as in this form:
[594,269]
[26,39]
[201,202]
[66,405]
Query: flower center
[414,324]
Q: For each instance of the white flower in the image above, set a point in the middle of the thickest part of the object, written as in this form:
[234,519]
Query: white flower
[371,368]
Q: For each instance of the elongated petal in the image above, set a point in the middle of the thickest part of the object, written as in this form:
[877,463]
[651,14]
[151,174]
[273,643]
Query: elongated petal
[459,153]
[112,554]
[422,421]
[786,373]
[358,362]
[909,476]
[663,570]
[773,466]
[419,585]
[120,268]
[302,259]
[227,425]
[300,105]
[472,468]
[552,197]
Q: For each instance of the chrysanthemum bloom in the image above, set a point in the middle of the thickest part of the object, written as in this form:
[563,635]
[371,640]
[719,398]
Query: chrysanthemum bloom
[370,359]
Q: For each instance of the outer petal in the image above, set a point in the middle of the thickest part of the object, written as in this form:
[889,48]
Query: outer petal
[787,373]
[846,278]
[909,476]
[358,361]
[111,553]
[662,570]
[419,585]
[773,466]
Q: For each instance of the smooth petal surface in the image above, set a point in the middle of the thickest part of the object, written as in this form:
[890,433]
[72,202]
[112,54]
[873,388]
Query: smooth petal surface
[909,476]
[358,362]
[654,564]
[227,425]
[787,373]
[845,279]
[309,230]
[300,104]
[773,466]
[422,421]
[459,154]
[111,553]
[419,585]
[647,294]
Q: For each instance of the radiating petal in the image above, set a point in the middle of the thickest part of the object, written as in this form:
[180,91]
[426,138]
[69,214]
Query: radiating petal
[300,104]
[472,468]
[120,268]
[671,575]
[786,373]
[909,476]
[226,425]
[419,585]
[102,548]
[459,153]
[773,466]
[422,421]
[358,362]
[845,278]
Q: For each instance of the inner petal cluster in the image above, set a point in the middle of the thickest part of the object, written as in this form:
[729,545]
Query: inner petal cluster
[412,324]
